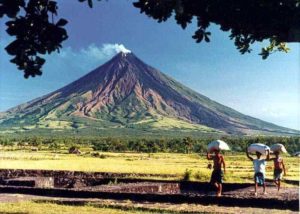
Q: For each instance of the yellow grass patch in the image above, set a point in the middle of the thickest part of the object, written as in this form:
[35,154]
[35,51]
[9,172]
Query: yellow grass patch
[239,168]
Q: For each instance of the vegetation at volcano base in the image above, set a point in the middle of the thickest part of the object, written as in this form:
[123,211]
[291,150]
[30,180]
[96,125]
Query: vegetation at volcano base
[161,156]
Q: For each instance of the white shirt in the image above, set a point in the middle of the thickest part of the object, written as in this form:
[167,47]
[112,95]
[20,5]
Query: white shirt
[259,165]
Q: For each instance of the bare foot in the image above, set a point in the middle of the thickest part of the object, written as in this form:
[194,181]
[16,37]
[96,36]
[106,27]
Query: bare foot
[255,194]
[219,195]
[265,193]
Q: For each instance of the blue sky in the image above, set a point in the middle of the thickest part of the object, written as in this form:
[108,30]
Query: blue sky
[266,89]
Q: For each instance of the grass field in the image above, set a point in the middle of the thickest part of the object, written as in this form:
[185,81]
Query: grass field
[51,208]
[124,207]
[239,168]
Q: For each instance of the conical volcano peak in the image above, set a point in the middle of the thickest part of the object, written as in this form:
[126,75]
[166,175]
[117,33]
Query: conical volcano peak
[125,57]
[125,54]
[126,93]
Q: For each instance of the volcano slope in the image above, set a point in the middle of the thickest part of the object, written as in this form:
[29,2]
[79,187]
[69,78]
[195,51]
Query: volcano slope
[126,96]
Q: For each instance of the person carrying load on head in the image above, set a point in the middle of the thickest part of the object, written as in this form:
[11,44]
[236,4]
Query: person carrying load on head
[217,174]
[279,167]
[259,165]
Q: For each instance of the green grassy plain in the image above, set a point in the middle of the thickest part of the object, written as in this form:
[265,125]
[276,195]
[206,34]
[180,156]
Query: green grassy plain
[124,207]
[239,168]
[52,208]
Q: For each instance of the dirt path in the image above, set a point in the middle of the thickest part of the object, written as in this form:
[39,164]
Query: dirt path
[287,193]
[79,188]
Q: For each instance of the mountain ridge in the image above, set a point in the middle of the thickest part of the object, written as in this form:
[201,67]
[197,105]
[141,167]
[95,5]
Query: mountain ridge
[125,92]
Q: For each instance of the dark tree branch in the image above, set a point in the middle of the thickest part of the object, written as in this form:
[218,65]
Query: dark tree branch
[248,21]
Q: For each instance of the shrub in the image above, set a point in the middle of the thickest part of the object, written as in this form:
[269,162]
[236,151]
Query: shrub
[95,154]
[187,175]
[198,175]
[74,150]
[202,175]
[102,156]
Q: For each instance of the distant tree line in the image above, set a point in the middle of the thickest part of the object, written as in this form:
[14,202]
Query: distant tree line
[145,145]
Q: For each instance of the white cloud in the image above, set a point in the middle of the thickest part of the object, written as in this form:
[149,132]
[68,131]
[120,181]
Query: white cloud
[79,62]
[59,70]
[108,48]
[96,52]
[104,51]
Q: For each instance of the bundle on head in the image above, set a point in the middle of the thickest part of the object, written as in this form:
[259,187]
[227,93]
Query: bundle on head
[278,148]
[217,145]
[258,147]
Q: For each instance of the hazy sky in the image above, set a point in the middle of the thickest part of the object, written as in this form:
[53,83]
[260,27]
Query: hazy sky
[266,89]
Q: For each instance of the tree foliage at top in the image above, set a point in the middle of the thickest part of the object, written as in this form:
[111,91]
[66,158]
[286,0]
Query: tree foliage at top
[35,32]
[32,23]
[248,21]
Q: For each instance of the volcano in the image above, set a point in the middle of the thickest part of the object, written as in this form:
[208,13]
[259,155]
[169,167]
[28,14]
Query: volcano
[127,94]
